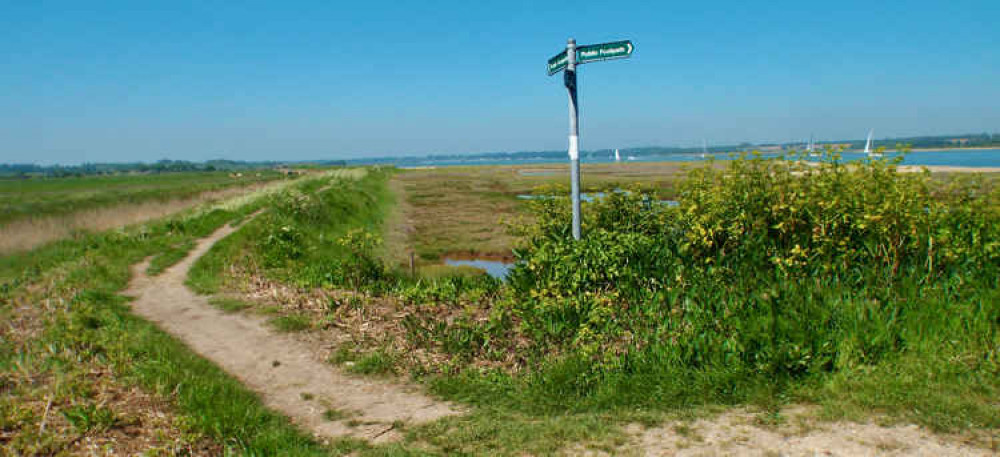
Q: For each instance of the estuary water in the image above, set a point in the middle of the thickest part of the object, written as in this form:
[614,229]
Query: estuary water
[951,157]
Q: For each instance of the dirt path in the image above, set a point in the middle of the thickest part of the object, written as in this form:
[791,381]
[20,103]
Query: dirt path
[281,370]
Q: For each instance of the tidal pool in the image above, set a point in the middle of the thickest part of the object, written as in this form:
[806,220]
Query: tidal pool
[494,268]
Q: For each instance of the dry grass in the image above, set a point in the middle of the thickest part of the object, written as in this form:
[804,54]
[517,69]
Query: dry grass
[26,234]
[344,321]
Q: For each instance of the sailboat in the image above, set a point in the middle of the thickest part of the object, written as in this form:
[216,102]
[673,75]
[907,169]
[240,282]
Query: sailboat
[618,158]
[811,149]
[868,145]
[704,149]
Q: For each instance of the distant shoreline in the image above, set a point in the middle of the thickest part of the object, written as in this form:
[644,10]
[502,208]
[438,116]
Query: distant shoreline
[948,169]
[976,148]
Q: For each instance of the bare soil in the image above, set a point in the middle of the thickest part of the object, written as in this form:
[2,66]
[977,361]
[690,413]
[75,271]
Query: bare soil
[743,433]
[280,368]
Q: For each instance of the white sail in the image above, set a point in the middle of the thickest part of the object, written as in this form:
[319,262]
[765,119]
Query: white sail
[618,158]
[704,149]
[868,144]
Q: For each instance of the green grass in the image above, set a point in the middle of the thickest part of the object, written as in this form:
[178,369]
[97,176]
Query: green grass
[342,355]
[229,305]
[86,418]
[168,258]
[379,362]
[290,323]
[493,431]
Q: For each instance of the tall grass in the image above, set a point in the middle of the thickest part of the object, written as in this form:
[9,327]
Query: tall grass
[57,210]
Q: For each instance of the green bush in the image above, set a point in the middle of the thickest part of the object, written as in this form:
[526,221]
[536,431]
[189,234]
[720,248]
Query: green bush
[768,269]
[361,264]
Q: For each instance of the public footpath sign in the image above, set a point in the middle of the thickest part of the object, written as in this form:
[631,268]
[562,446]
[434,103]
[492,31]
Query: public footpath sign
[568,60]
[558,63]
[604,51]
[592,53]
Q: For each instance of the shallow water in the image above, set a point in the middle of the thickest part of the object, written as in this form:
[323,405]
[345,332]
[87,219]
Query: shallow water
[494,268]
[590,197]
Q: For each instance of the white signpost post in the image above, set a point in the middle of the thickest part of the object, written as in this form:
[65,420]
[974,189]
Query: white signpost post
[568,60]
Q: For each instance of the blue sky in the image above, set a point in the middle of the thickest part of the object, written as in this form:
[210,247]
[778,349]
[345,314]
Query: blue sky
[122,81]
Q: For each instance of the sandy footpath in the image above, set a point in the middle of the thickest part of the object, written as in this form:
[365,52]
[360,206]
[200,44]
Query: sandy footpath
[280,369]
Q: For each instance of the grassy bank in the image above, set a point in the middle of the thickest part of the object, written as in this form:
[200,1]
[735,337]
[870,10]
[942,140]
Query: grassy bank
[304,237]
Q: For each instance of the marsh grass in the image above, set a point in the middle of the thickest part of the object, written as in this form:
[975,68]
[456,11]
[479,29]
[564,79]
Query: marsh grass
[465,209]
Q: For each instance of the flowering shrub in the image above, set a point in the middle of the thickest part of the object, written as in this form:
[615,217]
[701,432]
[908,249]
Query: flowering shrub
[767,266]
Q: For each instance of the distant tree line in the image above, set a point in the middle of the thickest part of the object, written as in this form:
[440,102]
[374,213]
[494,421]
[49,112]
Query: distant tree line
[976,140]
[955,141]
[161,166]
